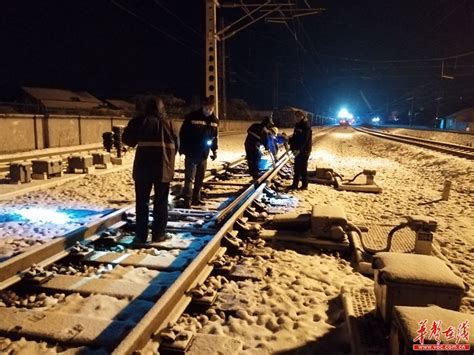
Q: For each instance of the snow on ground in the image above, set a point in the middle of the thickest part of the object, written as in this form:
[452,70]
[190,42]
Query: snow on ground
[449,137]
[295,305]
[412,180]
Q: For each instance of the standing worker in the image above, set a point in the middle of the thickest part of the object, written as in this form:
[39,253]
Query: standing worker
[157,143]
[300,145]
[258,135]
[198,136]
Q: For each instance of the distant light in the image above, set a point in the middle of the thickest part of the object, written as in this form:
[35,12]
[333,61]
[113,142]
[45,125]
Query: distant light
[43,215]
[376,119]
[344,113]
[209,142]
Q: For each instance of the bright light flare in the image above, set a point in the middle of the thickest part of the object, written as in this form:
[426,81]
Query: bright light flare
[345,114]
[209,142]
[376,119]
[43,215]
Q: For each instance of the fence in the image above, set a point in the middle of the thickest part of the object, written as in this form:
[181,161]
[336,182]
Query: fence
[22,132]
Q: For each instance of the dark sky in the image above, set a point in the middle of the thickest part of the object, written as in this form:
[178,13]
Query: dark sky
[354,49]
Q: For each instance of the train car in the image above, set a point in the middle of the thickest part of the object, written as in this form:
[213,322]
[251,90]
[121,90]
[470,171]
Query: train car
[343,123]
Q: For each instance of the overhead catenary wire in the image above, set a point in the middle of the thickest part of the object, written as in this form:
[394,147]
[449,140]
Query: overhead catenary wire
[394,61]
[160,4]
[156,28]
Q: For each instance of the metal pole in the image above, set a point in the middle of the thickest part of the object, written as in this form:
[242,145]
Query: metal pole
[211,53]
[223,77]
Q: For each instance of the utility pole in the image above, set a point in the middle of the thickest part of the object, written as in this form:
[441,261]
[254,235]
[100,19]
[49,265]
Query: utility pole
[211,53]
[223,85]
[254,12]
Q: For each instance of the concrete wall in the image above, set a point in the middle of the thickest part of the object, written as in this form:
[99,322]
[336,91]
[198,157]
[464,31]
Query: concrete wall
[17,131]
[28,132]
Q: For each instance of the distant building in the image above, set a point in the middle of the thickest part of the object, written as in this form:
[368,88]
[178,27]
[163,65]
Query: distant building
[62,101]
[459,121]
[286,117]
[258,115]
[126,108]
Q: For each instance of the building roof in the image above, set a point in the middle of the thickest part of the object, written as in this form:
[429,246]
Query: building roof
[294,109]
[60,98]
[465,115]
[121,104]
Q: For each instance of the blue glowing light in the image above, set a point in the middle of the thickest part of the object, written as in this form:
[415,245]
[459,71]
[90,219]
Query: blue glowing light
[43,215]
[49,214]
[264,164]
[209,142]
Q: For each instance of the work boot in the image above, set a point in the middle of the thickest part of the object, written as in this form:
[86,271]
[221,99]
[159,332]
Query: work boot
[198,203]
[304,187]
[137,241]
[160,237]
[187,203]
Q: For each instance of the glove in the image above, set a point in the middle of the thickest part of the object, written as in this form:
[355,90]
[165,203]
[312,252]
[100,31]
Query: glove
[214,155]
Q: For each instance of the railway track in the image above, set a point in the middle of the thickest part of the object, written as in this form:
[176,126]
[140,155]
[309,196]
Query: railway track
[151,284]
[62,153]
[447,148]
[96,259]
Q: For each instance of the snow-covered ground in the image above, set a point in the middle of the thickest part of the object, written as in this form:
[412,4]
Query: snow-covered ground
[295,306]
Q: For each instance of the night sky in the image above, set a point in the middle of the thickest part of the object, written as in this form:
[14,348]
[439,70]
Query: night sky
[369,48]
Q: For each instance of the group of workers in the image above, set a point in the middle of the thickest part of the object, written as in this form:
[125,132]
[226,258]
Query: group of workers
[158,142]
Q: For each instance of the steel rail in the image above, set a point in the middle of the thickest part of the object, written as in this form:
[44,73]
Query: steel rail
[11,270]
[10,158]
[444,147]
[177,297]
[418,128]
[175,300]
[6,159]
[222,215]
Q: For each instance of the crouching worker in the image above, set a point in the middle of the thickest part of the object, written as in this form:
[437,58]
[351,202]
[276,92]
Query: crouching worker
[277,140]
[258,134]
[157,143]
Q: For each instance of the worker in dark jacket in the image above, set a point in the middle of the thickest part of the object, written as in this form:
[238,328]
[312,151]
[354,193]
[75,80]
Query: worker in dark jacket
[157,143]
[258,135]
[198,136]
[300,145]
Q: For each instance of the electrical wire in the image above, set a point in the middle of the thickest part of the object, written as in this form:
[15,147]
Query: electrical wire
[157,2]
[436,59]
[164,33]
